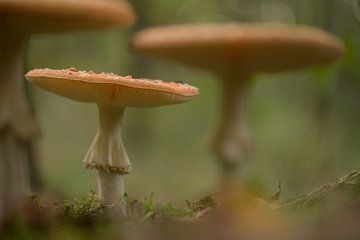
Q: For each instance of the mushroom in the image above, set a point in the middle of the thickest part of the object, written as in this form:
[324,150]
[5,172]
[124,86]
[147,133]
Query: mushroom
[19,19]
[112,94]
[237,52]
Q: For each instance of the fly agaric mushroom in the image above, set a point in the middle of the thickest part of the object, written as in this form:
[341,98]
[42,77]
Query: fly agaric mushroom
[112,94]
[19,19]
[236,52]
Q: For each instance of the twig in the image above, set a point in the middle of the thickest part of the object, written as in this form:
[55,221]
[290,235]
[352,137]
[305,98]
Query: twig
[351,180]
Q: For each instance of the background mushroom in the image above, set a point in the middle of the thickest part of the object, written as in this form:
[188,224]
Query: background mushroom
[236,52]
[113,94]
[19,19]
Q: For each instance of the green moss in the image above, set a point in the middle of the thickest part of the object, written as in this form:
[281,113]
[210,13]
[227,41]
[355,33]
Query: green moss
[86,209]
[147,209]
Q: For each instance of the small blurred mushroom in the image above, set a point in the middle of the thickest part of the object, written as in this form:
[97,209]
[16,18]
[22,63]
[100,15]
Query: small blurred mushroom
[237,52]
[19,19]
[113,94]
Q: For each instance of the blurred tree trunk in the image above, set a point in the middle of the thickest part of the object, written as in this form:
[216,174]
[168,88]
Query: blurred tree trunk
[138,65]
[338,18]
[241,11]
[326,14]
[338,106]
[319,13]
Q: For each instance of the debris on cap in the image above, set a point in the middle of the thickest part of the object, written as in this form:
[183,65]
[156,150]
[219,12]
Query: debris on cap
[112,89]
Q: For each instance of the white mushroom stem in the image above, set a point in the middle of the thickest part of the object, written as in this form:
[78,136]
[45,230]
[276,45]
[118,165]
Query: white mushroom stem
[111,192]
[107,154]
[231,142]
[17,126]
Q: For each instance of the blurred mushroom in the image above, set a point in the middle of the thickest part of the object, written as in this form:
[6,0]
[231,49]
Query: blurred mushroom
[113,94]
[19,19]
[236,52]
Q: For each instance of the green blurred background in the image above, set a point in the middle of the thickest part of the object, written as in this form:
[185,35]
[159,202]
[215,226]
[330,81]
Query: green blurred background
[305,124]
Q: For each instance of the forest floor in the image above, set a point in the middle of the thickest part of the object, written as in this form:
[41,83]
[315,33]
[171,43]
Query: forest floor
[331,211]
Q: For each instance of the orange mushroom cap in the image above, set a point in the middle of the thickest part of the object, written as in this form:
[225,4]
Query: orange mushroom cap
[252,48]
[111,89]
[49,16]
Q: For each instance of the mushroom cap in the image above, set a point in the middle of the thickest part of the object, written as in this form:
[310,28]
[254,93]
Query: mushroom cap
[111,89]
[49,16]
[231,48]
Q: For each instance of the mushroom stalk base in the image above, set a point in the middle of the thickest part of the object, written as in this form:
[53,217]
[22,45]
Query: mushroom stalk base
[107,154]
[17,126]
[232,142]
[111,192]
[14,174]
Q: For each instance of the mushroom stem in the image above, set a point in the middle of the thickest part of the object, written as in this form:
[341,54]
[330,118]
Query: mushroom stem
[111,192]
[107,154]
[232,142]
[15,112]
[17,126]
